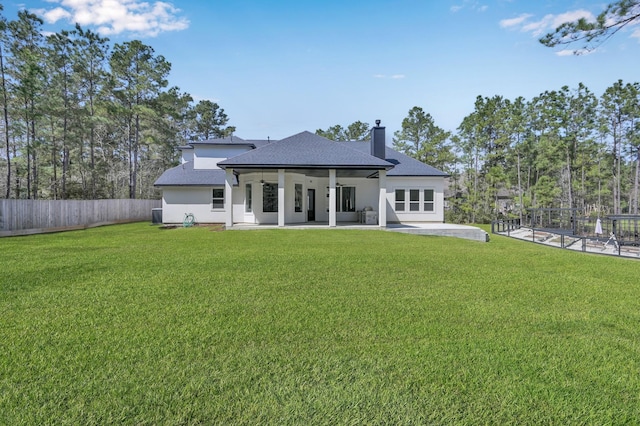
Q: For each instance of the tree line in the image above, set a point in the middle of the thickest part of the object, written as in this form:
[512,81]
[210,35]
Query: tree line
[565,148]
[82,119]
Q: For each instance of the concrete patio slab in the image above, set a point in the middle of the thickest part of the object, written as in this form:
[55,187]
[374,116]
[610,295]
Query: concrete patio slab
[417,228]
[441,229]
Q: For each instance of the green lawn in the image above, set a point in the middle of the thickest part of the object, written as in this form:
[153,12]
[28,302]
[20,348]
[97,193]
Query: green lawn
[133,324]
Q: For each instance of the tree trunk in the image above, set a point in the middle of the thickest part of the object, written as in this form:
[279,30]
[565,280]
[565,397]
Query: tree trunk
[6,122]
[92,153]
[616,198]
[136,153]
[569,182]
[636,182]
[29,148]
[54,162]
[520,189]
[65,142]
[619,171]
[34,163]
[475,188]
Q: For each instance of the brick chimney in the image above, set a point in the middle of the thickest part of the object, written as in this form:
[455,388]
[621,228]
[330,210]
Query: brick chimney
[378,141]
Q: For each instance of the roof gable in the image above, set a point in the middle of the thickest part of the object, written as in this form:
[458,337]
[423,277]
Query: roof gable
[186,175]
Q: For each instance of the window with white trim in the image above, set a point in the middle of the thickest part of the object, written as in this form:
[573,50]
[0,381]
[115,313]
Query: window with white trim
[217,198]
[415,200]
[270,197]
[248,199]
[429,200]
[298,197]
[399,200]
[346,199]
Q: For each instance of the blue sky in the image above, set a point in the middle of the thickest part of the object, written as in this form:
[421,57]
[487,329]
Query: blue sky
[281,67]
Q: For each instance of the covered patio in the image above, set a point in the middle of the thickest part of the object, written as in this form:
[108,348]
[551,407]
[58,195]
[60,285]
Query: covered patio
[417,228]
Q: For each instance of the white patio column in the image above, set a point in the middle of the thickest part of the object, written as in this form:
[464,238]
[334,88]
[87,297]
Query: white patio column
[332,197]
[228,197]
[382,199]
[281,203]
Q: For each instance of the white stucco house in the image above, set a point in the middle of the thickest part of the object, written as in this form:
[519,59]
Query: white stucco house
[304,178]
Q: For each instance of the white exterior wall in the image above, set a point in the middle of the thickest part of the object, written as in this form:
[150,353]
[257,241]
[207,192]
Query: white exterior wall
[187,155]
[208,157]
[435,183]
[178,201]
[366,196]
[291,216]
[256,215]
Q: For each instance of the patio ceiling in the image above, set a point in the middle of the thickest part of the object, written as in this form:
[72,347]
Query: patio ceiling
[314,172]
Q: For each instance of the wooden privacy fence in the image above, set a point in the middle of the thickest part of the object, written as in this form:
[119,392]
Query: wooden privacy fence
[22,217]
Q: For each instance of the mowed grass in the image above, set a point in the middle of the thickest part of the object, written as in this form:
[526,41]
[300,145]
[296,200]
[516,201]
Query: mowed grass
[132,324]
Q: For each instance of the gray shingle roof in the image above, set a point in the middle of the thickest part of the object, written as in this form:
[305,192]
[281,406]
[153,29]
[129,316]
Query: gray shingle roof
[185,175]
[229,140]
[306,150]
[404,165]
[303,150]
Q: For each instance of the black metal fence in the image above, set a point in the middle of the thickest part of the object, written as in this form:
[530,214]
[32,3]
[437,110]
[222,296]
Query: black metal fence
[504,225]
[563,228]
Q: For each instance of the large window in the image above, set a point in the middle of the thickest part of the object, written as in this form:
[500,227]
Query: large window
[345,198]
[270,197]
[415,200]
[218,198]
[248,199]
[399,200]
[298,197]
[429,200]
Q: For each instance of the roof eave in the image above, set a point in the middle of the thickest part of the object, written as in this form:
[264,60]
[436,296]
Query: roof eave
[203,185]
[250,145]
[422,175]
[304,166]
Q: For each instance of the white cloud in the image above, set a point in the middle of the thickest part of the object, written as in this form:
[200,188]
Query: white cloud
[573,16]
[53,15]
[569,52]
[391,77]
[469,4]
[118,16]
[566,52]
[547,23]
[514,22]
